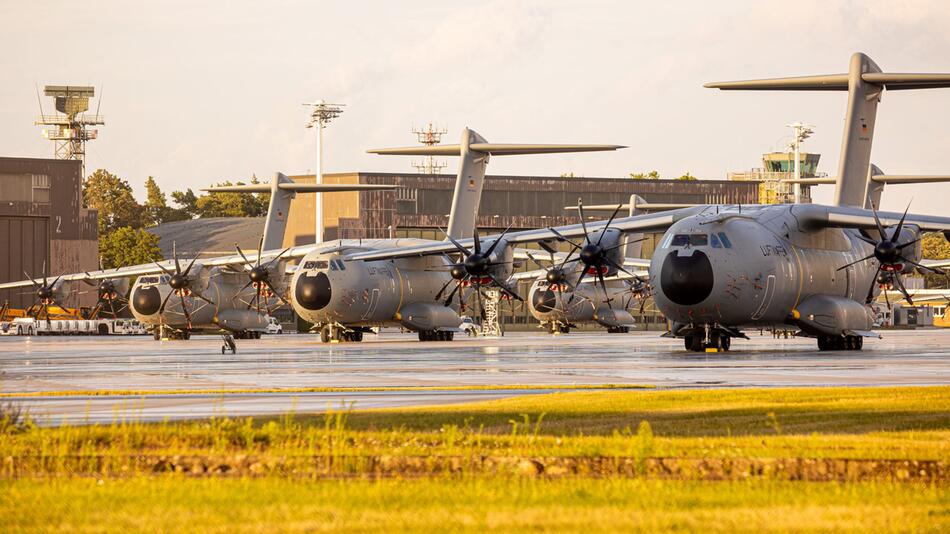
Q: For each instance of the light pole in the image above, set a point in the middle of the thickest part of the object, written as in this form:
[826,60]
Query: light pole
[320,115]
[802,132]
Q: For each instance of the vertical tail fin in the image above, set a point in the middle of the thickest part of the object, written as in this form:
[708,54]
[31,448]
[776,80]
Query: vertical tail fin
[864,82]
[282,190]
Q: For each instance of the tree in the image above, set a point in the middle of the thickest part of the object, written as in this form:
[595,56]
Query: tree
[156,208]
[112,196]
[128,246]
[935,247]
[652,175]
[233,204]
[187,202]
[687,176]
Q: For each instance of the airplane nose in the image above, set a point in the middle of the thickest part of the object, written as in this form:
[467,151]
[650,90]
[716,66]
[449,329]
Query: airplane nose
[544,301]
[686,280]
[147,300]
[313,292]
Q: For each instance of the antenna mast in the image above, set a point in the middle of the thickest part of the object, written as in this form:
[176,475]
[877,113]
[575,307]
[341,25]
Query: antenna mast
[320,115]
[69,131]
[430,136]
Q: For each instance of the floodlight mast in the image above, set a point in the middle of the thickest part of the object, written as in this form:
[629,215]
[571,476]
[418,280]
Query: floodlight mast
[320,115]
[802,132]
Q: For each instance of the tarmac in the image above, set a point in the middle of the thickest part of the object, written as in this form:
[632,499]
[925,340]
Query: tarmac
[72,366]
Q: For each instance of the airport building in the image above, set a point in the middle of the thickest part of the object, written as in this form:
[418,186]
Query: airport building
[42,222]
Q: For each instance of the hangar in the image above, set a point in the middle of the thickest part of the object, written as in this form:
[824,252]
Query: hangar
[42,221]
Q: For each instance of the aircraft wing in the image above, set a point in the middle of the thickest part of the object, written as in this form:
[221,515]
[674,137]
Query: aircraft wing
[637,223]
[936,264]
[816,216]
[153,268]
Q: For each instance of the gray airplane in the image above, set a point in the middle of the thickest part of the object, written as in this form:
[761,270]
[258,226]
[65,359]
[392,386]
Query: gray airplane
[230,293]
[425,293]
[560,303]
[722,268]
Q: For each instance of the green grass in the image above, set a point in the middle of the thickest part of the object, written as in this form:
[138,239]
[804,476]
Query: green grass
[175,504]
[473,467]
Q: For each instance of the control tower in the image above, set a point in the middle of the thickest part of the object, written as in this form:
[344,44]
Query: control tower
[69,126]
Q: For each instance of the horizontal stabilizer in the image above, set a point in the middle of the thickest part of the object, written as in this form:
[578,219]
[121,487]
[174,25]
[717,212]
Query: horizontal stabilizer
[646,206]
[896,81]
[495,149]
[877,178]
[892,81]
[298,188]
[826,82]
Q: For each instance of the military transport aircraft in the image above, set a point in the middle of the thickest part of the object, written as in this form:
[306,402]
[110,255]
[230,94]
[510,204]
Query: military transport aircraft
[721,268]
[421,293]
[177,298]
[559,304]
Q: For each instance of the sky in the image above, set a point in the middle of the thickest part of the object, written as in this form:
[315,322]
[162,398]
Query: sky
[195,93]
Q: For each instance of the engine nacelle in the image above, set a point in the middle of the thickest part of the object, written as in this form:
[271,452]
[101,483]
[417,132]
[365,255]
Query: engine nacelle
[422,316]
[613,318]
[832,315]
[237,320]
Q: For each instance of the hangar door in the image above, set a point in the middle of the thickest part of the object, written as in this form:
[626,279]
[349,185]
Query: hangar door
[24,246]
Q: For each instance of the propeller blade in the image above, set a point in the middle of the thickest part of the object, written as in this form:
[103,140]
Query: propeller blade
[161,309]
[923,268]
[184,310]
[495,243]
[887,300]
[190,265]
[275,292]
[903,290]
[900,224]
[603,284]
[30,278]
[458,245]
[536,262]
[478,242]
[241,252]
[562,238]
[439,294]
[610,220]
[580,210]
[260,249]
[870,297]
[867,240]
[877,220]
[478,296]
[576,285]
[202,297]
[619,267]
[177,264]
[164,270]
[278,256]
[452,294]
[856,261]
[504,288]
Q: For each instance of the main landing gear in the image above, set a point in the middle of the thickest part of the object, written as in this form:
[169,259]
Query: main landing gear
[840,342]
[335,333]
[559,328]
[436,335]
[716,341]
[618,329]
[166,332]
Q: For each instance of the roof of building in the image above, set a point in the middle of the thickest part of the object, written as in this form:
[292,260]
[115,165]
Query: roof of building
[212,236]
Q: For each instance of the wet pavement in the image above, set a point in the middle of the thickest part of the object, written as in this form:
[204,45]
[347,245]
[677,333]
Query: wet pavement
[51,364]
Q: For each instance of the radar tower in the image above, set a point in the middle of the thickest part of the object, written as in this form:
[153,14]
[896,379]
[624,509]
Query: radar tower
[69,131]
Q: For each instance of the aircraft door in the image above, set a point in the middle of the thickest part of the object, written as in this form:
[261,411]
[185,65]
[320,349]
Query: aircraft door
[373,301]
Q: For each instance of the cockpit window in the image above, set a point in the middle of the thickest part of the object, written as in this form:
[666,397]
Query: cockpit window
[725,240]
[692,240]
[714,241]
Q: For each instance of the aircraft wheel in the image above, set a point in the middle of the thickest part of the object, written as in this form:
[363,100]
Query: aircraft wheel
[565,329]
[726,342]
[858,342]
[823,343]
[186,335]
[325,334]
[19,330]
[156,334]
[358,336]
[423,335]
[695,343]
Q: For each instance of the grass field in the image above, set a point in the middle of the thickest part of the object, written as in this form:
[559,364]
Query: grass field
[710,460]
